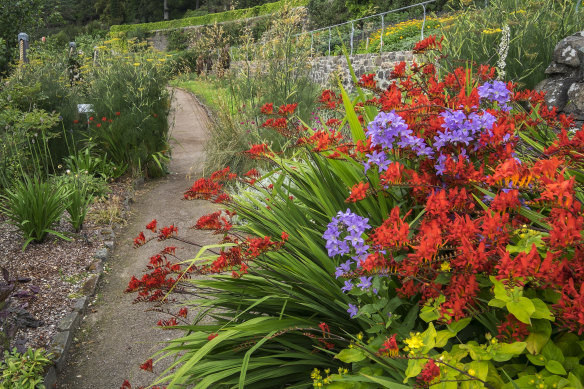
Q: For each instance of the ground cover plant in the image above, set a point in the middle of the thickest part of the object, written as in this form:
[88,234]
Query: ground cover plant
[438,244]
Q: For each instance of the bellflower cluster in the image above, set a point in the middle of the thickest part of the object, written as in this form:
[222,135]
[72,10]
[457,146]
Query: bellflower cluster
[345,231]
[384,130]
[460,128]
[495,91]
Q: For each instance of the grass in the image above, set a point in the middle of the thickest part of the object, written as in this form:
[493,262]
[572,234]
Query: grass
[209,90]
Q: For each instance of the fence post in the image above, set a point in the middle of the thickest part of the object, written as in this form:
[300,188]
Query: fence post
[382,33]
[423,21]
[23,47]
[329,42]
[352,33]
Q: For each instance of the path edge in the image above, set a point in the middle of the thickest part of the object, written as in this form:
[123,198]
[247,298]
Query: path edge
[61,344]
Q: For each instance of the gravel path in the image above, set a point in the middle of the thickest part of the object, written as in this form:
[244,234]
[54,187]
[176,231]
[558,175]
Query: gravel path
[116,336]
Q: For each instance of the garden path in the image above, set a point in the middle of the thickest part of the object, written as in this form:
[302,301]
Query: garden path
[116,336]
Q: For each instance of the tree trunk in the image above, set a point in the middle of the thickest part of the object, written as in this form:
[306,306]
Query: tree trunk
[197,5]
[165,9]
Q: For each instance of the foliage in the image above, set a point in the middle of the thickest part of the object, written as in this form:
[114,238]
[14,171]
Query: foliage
[535,28]
[88,161]
[23,371]
[177,40]
[210,18]
[79,200]
[324,13]
[34,206]
[403,35]
[25,138]
[131,104]
[458,260]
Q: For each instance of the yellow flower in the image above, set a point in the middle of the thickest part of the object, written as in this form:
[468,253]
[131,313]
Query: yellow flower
[445,266]
[414,342]
[162,59]
[136,63]
[491,30]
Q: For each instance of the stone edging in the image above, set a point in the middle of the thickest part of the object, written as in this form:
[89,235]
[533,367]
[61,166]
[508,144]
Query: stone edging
[61,344]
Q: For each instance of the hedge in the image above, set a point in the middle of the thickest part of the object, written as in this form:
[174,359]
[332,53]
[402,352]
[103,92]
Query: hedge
[226,16]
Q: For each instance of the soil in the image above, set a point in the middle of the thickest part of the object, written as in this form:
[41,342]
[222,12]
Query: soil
[116,335]
[52,273]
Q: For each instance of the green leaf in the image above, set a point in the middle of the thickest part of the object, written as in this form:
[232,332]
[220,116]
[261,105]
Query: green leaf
[356,129]
[537,360]
[350,355]
[497,303]
[555,367]
[574,381]
[458,326]
[539,335]
[552,352]
[429,313]
[541,310]
[443,336]
[506,351]
[429,338]
[522,309]
[386,382]
[414,368]
[499,290]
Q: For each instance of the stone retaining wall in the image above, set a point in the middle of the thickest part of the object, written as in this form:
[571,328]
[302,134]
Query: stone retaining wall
[322,68]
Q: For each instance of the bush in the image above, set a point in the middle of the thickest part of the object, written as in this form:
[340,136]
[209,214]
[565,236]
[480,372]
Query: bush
[210,18]
[535,27]
[438,247]
[34,206]
[26,370]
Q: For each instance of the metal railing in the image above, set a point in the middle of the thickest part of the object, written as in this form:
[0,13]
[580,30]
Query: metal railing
[352,23]
[352,41]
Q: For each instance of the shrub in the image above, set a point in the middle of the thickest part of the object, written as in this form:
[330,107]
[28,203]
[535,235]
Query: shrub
[34,206]
[79,201]
[24,370]
[535,28]
[457,261]
[210,18]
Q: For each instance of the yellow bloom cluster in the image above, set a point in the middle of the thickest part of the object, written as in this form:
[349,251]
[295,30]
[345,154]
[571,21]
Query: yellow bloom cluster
[491,30]
[400,28]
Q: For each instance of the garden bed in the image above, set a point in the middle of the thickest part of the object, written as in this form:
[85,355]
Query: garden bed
[52,275]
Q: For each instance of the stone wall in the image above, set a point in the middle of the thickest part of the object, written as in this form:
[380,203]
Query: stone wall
[564,86]
[380,64]
[323,69]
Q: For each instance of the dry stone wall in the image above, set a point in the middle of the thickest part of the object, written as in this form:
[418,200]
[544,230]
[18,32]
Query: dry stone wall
[324,69]
[380,64]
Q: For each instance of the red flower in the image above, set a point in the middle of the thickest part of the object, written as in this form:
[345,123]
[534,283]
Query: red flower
[287,109]
[267,108]
[212,336]
[429,373]
[126,385]
[333,122]
[118,113]
[103,119]
[358,192]
[151,226]
[389,347]
[428,43]
[259,151]
[169,250]
[285,236]
[167,232]
[140,239]
[183,312]
[147,365]
[75,121]
[98,125]
[167,323]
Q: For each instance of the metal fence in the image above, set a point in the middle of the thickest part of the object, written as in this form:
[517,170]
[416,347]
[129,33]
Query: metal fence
[378,18]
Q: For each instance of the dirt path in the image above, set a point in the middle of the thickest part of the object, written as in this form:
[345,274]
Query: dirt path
[117,336]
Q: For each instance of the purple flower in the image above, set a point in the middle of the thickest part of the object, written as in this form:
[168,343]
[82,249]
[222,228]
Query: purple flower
[343,268]
[385,128]
[343,232]
[352,310]
[495,91]
[378,158]
[365,282]
[348,286]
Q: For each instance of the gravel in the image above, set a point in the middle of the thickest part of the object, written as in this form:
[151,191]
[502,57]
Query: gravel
[52,273]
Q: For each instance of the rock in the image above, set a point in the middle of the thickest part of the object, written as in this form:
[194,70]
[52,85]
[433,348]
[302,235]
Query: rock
[575,105]
[69,322]
[556,89]
[569,51]
[50,380]
[95,266]
[109,245]
[80,304]
[101,254]
[59,348]
[556,68]
[90,284]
